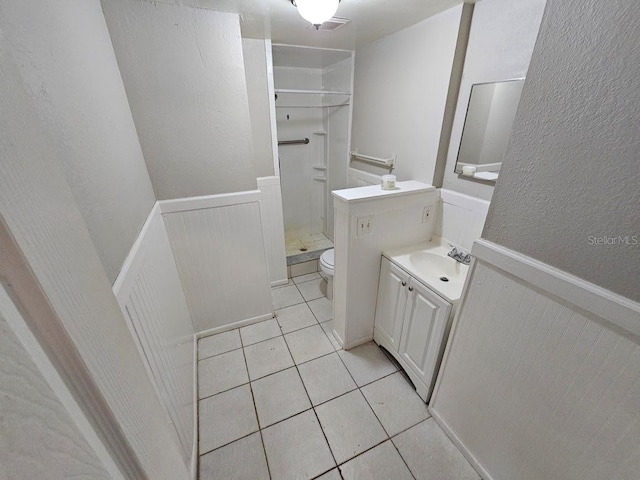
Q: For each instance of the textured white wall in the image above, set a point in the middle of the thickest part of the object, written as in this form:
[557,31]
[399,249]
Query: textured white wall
[401,84]
[65,57]
[184,74]
[571,169]
[255,65]
[503,34]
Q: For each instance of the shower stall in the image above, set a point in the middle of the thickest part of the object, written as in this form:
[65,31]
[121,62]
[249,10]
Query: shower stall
[313,122]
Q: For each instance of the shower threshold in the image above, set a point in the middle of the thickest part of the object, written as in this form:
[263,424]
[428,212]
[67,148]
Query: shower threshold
[305,256]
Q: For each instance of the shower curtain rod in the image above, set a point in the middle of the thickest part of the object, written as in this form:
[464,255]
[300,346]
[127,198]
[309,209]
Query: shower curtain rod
[293,142]
[313,106]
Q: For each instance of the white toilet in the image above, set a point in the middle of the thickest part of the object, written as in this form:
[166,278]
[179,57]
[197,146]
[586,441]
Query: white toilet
[326,265]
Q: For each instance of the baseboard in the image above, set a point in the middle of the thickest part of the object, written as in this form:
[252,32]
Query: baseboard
[458,443]
[338,339]
[233,326]
[355,343]
[277,283]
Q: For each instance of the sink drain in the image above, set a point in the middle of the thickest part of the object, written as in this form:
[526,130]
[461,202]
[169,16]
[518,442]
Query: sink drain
[303,249]
[444,279]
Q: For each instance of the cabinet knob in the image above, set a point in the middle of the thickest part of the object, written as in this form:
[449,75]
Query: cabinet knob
[404,284]
[411,289]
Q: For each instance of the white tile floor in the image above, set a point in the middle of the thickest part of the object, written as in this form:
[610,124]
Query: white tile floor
[281,400]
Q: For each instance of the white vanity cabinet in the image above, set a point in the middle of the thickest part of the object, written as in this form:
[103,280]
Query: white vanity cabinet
[412,323]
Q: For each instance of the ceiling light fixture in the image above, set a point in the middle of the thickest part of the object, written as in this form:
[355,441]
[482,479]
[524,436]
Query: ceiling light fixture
[316,11]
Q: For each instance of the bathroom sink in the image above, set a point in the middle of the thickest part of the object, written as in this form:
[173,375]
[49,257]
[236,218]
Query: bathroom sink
[429,263]
[433,264]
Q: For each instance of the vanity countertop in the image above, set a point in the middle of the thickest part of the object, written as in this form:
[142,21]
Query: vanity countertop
[369,192]
[429,263]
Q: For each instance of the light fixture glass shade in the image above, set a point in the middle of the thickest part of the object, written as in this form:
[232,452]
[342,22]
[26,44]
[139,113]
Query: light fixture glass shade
[317,11]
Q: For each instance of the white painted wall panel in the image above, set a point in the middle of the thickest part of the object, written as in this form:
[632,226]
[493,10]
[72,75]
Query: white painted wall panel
[535,387]
[220,255]
[273,228]
[359,178]
[256,74]
[401,84]
[75,85]
[183,71]
[150,294]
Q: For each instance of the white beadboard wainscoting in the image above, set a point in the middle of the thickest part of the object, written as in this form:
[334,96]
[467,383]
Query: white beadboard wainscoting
[219,249]
[150,295]
[273,229]
[460,218]
[541,378]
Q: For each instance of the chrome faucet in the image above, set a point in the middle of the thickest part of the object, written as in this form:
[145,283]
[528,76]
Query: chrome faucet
[461,257]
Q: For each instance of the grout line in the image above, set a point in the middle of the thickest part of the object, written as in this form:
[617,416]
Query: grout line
[260,341]
[293,304]
[218,354]
[255,409]
[389,438]
[306,281]
[335,463]
[409,428]
[227,390]
[336,397]
[363,452]
[301,328]
[266,427]
[227,444]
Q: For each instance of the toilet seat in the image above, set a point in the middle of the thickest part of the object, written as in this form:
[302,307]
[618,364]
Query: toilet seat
[326,261]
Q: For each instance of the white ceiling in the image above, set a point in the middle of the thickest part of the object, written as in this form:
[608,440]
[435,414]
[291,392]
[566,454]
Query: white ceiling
[370,20]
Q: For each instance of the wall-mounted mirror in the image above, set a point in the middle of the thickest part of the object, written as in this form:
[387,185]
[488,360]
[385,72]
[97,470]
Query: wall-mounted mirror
[487,127]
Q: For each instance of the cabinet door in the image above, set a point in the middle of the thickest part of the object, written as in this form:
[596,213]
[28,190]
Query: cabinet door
[392,299]
[425,324]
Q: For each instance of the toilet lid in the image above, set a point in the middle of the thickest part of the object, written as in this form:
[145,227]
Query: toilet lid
[327,258]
